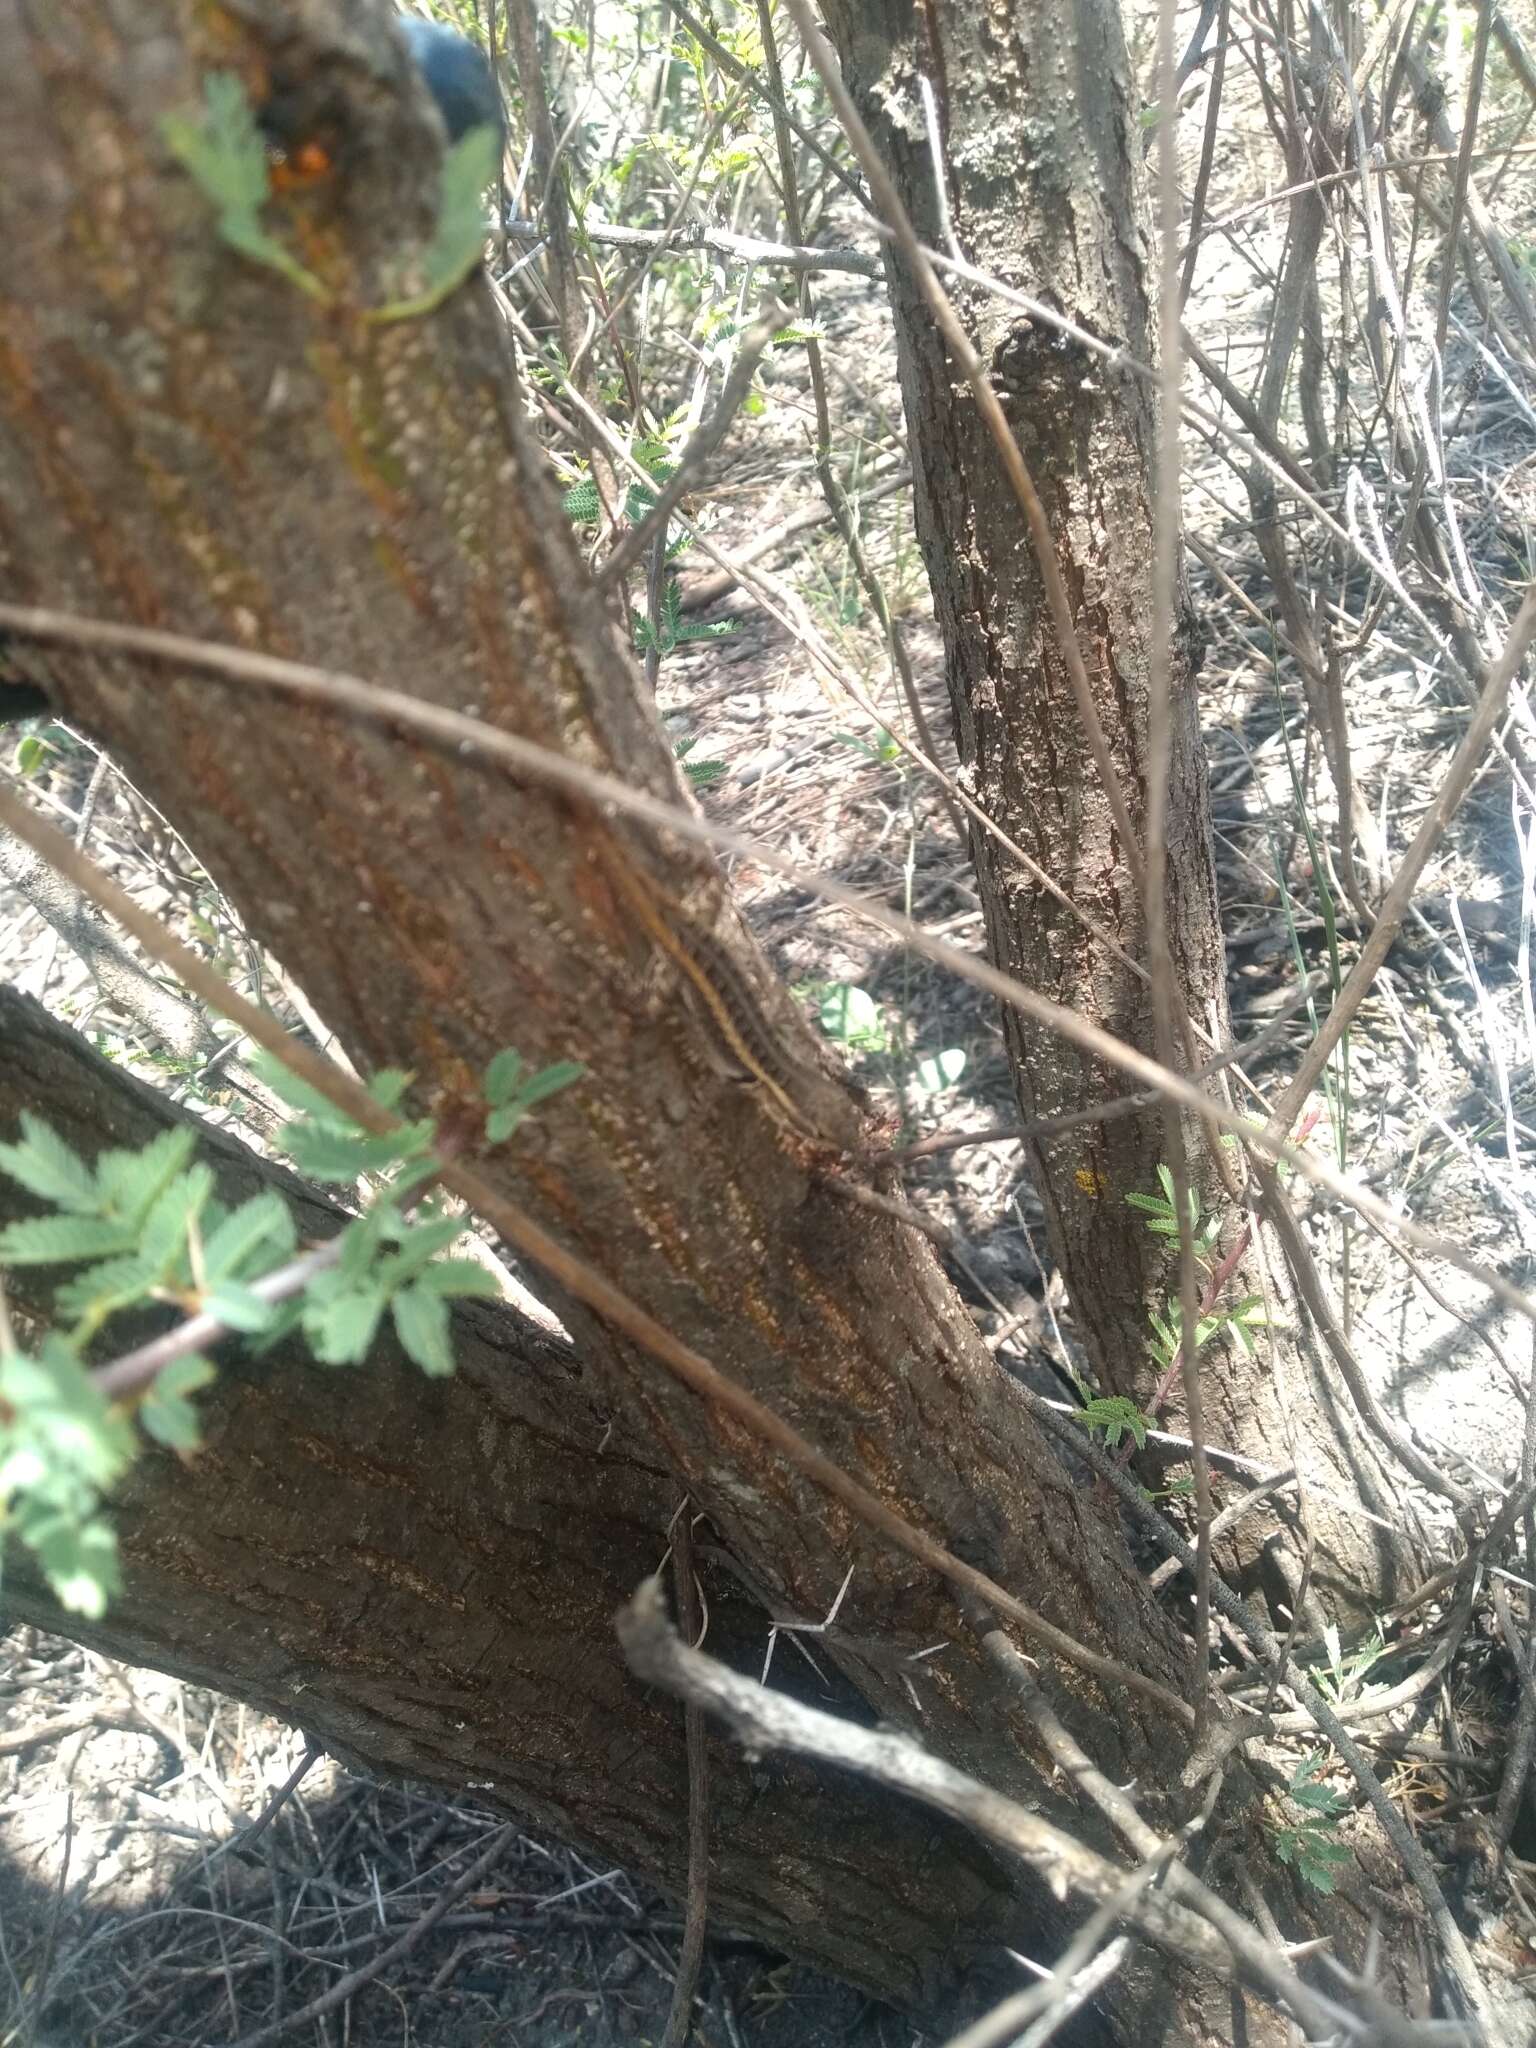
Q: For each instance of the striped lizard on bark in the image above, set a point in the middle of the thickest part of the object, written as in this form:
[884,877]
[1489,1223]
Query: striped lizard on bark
[817,1110]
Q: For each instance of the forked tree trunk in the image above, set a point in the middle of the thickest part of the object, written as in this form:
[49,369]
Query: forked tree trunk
[1041,159]
[186,440]
[365,497]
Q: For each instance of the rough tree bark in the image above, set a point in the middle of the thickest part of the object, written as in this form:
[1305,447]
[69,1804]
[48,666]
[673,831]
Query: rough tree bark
[1041,160]
[424,1575]
[188,441]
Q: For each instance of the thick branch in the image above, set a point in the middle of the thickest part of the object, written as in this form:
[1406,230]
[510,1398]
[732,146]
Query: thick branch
[424,1575]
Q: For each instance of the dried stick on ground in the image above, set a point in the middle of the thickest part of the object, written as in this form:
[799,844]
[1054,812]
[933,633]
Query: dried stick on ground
[347,1987]
[767,1721]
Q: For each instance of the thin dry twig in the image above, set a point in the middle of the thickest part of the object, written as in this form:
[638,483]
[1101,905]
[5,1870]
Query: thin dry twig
[717,241]
[439,725]
[347,1987]
[766,1721]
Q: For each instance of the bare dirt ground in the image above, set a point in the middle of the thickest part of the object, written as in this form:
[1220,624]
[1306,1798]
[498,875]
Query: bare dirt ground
[126,1915]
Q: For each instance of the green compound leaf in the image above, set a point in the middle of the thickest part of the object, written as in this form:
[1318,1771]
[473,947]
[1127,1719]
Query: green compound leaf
[225,157]
[581,504]
[59,1415]
[260,1234]
[101,1289]
[1117,1415]
[458,240]
[171,1220]
[329,1153]
[130,1183]
[46,1167]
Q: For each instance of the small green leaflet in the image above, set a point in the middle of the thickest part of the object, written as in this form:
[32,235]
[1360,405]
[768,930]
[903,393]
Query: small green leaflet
[237,1308]
[58,1410]
[226,158]
[175,1213]
[61,1446]
[1163,1214]
[884,749]
[79,1559]
[581,503]
[421,1323]
[1311,1847]
[451,1277]
[940,1070]
[54,1240]
[503,1075]
[132,1182]
[512,1093]
[700,774]
[100,1290]
[261,1229]
[419,1243]
[45,1166]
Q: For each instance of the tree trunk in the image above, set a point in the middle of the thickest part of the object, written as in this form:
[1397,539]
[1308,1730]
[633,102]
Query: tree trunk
[188,440]
[424,1575]
[365,497]
[1041,160]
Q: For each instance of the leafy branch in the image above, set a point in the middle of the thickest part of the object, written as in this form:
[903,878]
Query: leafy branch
[144,1229]
[672,629]
[1161,1212]
[1239,1321]
[1311,1846]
